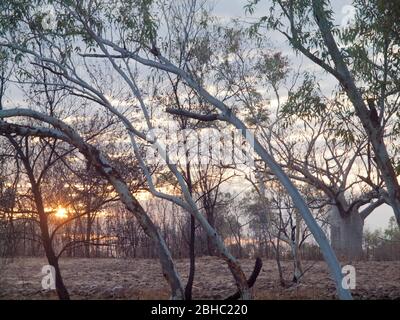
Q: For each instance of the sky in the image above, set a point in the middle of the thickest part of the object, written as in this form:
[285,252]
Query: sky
[234,8]
[230,9]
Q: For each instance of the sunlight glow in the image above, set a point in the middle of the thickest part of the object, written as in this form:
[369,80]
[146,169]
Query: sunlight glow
[61,213]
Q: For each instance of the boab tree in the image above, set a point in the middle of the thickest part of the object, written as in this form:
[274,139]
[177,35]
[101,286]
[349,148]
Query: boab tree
[361,55]
[340,166]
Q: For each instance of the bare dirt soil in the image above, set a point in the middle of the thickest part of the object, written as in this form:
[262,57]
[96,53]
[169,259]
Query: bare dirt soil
[142,279]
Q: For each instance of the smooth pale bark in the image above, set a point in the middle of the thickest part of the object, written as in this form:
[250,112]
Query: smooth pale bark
[373,128]
[212,236]
[228,116]
[191,206]
[102,165]
[297,199]
[211,220]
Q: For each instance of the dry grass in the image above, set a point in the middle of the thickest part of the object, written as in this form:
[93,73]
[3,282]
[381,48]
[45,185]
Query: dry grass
[142,279]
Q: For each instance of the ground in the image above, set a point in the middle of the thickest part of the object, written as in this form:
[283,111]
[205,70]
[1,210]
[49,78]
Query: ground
[142,279]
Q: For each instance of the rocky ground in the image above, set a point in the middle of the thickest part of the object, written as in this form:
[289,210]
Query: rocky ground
[142,279]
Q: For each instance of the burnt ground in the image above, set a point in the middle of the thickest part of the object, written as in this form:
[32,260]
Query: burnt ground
[142,279]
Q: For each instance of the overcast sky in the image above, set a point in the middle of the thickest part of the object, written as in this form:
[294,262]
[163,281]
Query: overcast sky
[235,9]
[229,9]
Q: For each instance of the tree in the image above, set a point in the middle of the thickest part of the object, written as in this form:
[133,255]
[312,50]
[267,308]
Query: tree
[370,83]
[66,133]
[135,43]
[383,244]
[35,186]
[339,166]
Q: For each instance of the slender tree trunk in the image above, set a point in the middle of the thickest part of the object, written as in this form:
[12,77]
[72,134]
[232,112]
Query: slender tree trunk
[278,262]
[388,174]
[88,234]
[211,221]
[294,193]
[62,291]
[297,255]
[372,127]
[48,248]
[296,261]
[103,166]
[192,257]
[192,253]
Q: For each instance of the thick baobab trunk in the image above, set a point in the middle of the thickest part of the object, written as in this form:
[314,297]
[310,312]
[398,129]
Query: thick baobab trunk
[346,234]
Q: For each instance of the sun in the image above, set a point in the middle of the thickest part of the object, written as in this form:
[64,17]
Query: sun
[61,213]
